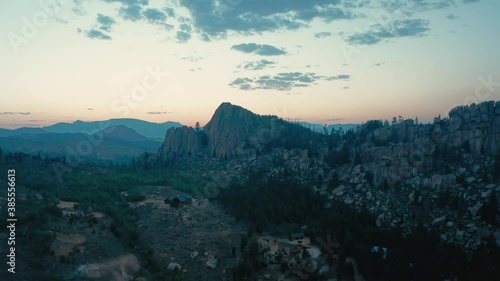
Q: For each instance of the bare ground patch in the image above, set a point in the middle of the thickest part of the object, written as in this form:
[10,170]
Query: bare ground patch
[66,204]
[117,269]
[63,245]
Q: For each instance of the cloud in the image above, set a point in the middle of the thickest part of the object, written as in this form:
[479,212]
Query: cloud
[395,29]
[154,15]
[218,19]
[322,34]
[131,12]
[97,34]
[452,16]
[59,20]
[182,36]
[409,8]
[192,58]
[78,8]
[338,77]
[14,113]
[378,63]
[263,50]
[256,65]
[284,81]
[215,18]
[105,22]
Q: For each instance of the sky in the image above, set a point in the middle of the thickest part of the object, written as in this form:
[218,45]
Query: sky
[321,61]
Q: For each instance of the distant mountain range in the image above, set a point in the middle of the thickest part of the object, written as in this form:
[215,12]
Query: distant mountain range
[21,131]
[124,137]
[113,142]
[145,128]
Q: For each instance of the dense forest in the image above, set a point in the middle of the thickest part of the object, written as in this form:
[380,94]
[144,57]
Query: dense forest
[281,207]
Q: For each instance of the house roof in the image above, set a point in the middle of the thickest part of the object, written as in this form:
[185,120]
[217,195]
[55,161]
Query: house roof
[182,197]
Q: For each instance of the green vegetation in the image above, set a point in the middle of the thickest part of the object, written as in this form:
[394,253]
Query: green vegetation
[94,185]
[283,206]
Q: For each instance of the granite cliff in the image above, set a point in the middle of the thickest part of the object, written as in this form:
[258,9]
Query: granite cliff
[232,132]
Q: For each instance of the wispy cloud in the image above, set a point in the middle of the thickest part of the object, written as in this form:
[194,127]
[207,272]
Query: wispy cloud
[216,18]
[258,49]
[256,65]
[322,34]
[105,22]
[284,81]
[395,29]
[192,58]
[378,63]
[14,113]
[97,34]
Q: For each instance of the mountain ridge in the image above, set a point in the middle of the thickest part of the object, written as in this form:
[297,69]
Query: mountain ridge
[145,128]
[233,131]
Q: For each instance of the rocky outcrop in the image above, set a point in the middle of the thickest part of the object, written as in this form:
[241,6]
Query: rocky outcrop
[181,141]
[402,151]
[404,174]
[234,130]
[475,127]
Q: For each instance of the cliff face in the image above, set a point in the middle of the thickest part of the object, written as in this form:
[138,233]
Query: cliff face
[232,131]
[180,141]
[407,148]
[476,126]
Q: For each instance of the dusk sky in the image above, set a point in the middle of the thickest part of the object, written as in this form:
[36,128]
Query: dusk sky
[319,61]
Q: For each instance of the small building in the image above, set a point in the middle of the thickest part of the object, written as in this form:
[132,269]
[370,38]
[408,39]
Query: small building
[296,236]
[288,248]
[179,200]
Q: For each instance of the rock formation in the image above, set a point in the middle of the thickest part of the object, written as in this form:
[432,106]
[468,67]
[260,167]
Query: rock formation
[232,131]
[180,141]
[403,175]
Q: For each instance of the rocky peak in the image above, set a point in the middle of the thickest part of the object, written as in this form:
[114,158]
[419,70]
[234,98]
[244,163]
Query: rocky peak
[234,130]
[180,141]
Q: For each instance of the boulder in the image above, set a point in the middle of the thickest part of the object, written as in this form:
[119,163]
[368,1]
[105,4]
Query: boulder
[338,191]
[194,254]
[174,266]
[212,262]
[439,220]
[474,209]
